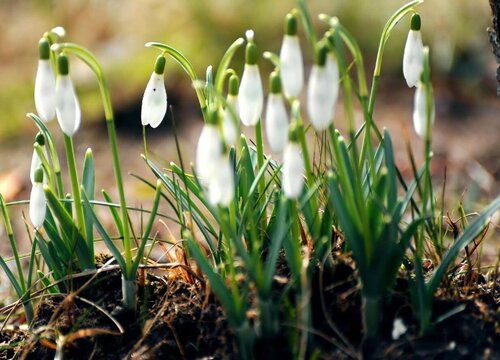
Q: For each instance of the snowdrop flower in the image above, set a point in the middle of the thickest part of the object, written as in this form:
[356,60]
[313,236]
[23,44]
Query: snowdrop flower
[398,328]
[293,167]
[420,110]
[35,159]
[276,116]
[209,148]
[38,205]
[221,184]
[67,106]
[45,84]
[154,101]
[413,53]
[229,124]
[251,96]
[292,65]
[322,91]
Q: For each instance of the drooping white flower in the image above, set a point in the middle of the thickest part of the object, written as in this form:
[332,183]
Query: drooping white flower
[154,101]
[420,110]
[67,105]
[45,84]
[413,53]
[229,123]
[276,116]
[293,167]
[221,184]
[292,64]
[322,91]
[251,95]
[38,203]
[208,151]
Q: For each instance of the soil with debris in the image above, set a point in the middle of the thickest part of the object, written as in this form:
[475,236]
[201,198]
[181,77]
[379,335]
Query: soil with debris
[179,319]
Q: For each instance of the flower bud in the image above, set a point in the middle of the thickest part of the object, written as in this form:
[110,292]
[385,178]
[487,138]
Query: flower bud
[67,105]
[38,205]
[292,65]
[293,167]
[413,53]
[276,116]
[420,110]
[251,96]
[154,101]
[45,84]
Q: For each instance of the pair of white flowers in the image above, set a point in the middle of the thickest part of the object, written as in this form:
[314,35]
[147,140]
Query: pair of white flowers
[413,66]
[56,97]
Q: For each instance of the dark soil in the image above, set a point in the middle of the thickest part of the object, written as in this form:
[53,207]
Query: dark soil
[179,320]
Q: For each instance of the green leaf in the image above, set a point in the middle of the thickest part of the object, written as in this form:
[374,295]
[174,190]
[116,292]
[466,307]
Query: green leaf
[88,186]
[392,194]
[114,213]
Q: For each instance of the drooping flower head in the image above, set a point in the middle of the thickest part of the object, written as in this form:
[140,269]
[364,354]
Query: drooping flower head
[38,205]
[154,101]
[35,159]
[292,64]
[322,91]
[276,117]
[230,124]
[209,148]
[45,83]
[413,53]
[251,96]
[67,105]
[293,166]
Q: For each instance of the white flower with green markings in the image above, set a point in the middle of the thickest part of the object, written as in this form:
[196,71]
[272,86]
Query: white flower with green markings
[293,167]
[276,117]
[154,101]
[229,123]
[251,95]
[38,203]
[45,84]
[292,64]
[413,53]
[67,105]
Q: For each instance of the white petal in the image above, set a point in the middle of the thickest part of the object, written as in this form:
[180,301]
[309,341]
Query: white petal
[208,152]
[276,123]
[229,127]
[420,111]
[293,171]
[292,66]
[251,96]
[67,106]
[322,96]
[35,163]
[45,91]
[221,185]
[38,206]
[413,58]
[154,101]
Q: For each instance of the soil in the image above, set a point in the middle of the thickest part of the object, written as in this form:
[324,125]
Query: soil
[181,320]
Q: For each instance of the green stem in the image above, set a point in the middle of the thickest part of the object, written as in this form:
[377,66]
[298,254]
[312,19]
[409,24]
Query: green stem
[75,186]
[129,293]
[372,315]
[262,180]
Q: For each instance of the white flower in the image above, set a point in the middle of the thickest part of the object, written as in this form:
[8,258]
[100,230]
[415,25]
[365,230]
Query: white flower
[45,91]
[292,67]
[154,101]
[420,110]
[413,53]
[293,171]
[276,122]
[38,205]
[229,127]
[221,184]
[320,99]
[67,105]
[35,163]
[208,152]
[332,69]
[398,329]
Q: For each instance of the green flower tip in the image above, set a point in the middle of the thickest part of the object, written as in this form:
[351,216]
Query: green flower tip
[62,65]
[293,132]
[275,83]
[38,176]
[234,85]
[290,24]
[251,54]
[213,116]
[320,54]
[43,49]
[40,139]
[160,65]
[415,24]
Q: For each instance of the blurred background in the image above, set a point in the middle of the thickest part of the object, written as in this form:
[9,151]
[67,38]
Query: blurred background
[467,129]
